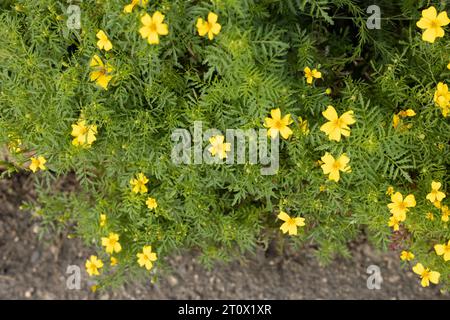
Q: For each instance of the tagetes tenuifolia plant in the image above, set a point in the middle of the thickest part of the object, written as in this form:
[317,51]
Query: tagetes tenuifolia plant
[359,117]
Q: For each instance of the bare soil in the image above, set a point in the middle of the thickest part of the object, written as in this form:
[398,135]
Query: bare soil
[33,269]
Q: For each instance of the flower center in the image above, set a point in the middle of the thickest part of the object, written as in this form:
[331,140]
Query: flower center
[434,24]
[337,123]
[139,184]
[152,27]
[278,124]
[83,131]
[336,165]
[291,222]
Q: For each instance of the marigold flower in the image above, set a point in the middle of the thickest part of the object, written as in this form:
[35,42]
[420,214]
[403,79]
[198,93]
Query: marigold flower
[394,223]
[101,74]
[311,74]
[153,27]
[102,220]
[103,41]
[303,125]
[432,23]
[93,264]
[332,166]
[278,125]
[290,224]
[218,147]
[37,163]
[210,27]
[84,135]
[406,256]
[408,113]
[395,121]
[129,7]
[426,275]
[430,216]
[113,261]
[399,206]
[443,249]
[146,258]
[435,194]
[14,146]
[445,213]
[111,243]
[442,98]
[151,203]
[390,191]
[139,184]
[337,126]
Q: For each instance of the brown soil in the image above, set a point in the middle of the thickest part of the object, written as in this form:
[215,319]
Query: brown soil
[32,269]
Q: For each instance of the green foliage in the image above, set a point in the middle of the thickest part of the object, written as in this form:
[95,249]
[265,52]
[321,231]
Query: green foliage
[254,65]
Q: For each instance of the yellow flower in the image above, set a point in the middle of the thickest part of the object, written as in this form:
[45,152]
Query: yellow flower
[311,74]
[406,256]
[390,191]
[443,249]
[37,163]
[448,66]
[332,166]
[153,27]
[84,135]
[129,7]
[395,121]
[394,223]
[442,95]
[290,224]
[139,183]
[278,125]
[430,216]
[218,147]
[304,126]
[210,27]
[102,220]
[113,261]
[103,41]
[433,22]
[426,275]
[435,194]
[328,91]
[94,288]
[14,146]
[437,204]
[151,203]
[399,206]
[442,98]
[408,113]
[147,257]
[101,74]
[111,243]
[93,265]
[337,126]
[445,213]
